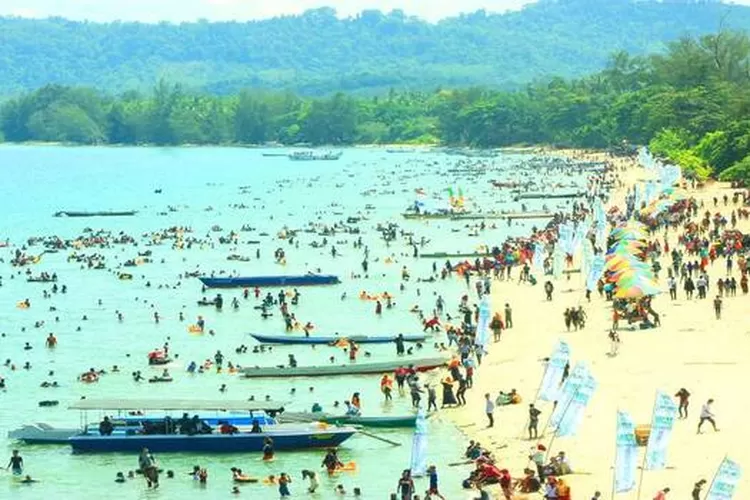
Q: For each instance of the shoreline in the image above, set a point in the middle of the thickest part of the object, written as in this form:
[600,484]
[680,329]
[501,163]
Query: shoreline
[672,356]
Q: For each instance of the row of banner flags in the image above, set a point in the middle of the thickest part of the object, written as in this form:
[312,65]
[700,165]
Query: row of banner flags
[572,397]
[626,457]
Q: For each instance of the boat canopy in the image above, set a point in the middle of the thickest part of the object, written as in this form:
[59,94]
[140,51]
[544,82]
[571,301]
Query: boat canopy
[176,404]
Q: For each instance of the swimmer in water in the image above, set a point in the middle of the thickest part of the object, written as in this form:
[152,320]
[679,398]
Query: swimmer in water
[16,463]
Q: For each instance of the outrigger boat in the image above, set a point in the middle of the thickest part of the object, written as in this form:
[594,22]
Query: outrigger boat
[331,340]
[419,365]
[269,281]
[130,417]
[134,432]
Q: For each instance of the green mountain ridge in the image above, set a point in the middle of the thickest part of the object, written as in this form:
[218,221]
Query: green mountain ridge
[317,53]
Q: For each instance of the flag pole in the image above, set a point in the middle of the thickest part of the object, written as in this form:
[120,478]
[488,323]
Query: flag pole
[614,467]
[713,479]
[549,446]
[645,454]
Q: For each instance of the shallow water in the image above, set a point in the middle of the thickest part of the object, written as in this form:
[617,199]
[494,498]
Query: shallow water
[39,181]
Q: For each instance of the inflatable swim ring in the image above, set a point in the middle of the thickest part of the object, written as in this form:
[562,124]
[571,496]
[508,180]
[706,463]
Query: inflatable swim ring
[347,467]
[22,305]
[194,329]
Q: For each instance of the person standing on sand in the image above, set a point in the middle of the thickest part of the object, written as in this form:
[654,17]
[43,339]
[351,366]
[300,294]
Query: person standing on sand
[689,287]
[508,316]
[707,415]
[489,408]
[696,494]
[533,422]
[548,289]
[614,346]
[684,396]
[672,283]
[718,303]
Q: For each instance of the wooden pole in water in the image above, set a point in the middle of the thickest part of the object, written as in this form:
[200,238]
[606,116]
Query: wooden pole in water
[373,436]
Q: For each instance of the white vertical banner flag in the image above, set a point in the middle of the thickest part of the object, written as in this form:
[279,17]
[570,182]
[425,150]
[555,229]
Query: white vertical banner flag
[725,481]
[626,455]
[419,446]
[577,377]
[483,325]
[662,421]
[550,387]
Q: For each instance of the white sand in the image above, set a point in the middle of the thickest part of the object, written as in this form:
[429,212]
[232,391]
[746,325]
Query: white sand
[691,349]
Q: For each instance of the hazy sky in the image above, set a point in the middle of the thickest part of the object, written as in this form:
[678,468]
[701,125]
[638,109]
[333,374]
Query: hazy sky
[181,10]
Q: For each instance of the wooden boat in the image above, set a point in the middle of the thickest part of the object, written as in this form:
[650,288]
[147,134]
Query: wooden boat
[457,255]
[359,339]
[509,215]
[123,213]
[41,433]
[548,196]
[133,438]
[285,437]
[382,422]
[428,215]
[271,281]
[313,156]
[420,365]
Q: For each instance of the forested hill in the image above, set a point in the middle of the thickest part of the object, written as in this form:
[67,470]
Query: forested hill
[317,53]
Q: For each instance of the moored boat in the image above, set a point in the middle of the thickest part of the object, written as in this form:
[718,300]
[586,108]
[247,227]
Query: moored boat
[419,365]
[41,433]
[381,421]
[313,156]
[271,281]
[159,434]
[359,339]
[122,213]
[285,437]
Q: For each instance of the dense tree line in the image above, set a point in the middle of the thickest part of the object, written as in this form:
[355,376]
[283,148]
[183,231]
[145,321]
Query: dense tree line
[691,103]
[318,53]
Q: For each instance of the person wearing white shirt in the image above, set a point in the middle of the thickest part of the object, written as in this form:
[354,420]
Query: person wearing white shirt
[707,415]
[489,408]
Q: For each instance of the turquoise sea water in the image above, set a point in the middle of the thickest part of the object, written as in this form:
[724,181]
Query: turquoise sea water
[206,187]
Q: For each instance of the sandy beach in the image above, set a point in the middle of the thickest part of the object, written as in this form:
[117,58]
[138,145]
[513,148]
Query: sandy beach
[691,349]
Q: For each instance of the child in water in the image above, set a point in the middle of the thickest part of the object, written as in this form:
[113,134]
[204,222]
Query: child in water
[284,481]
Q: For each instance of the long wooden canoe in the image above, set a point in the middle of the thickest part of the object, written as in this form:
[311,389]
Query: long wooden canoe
[268,281]
[383,421]
[420,365]
[359,339]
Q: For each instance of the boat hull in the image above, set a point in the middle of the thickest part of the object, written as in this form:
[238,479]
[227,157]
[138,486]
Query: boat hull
[210,443]
[359,339]
[68,213]
[375,422]
[42,434]
[349,369]
[271,281]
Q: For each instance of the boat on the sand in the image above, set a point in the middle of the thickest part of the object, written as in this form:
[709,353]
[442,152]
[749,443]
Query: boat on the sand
[328,340]
[419,365]
[271,281]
